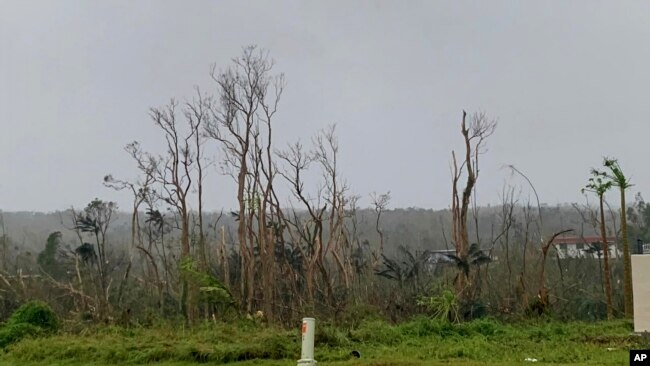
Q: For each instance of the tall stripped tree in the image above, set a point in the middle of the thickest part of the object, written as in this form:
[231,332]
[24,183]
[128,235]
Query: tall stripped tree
[4,244]
[380,203]
[197,113]
[600,186]
[474,135]
[173,171]
[542,305]
[247,99]
[304,232]
[139,189]
[326,154]
[270,226]
[320,235]
[618,179]
[543,299]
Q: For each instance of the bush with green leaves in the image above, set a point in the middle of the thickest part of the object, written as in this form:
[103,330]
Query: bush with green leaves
[15,332]
[36,313]
[31,319]
[211,290]
[442,307]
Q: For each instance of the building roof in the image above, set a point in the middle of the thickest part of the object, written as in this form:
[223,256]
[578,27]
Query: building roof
[442,251]
[583,240]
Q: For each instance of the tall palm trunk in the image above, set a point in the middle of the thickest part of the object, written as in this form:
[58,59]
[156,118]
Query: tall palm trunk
[608,284]
[627,262]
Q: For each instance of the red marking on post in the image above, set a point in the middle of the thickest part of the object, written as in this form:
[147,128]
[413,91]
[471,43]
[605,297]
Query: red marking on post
[304,327]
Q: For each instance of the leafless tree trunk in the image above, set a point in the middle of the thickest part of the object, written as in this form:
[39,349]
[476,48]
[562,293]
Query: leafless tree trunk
[608,284]
[323,234]
[173,172]
[4,246]
[223,256]
[543,290]
[196,114]
[297,162]
[506,223]
[380,202]
[326,154]
[474,135]
[139,191]
[245,104]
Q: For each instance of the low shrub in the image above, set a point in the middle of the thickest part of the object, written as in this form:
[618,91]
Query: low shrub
[425,327]
[36,313]
[31,319]
[377,332]
[330,336]
[15,332]
[485,327]
[353,316]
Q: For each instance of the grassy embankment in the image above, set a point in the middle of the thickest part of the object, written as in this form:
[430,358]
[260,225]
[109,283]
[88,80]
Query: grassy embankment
[419,342]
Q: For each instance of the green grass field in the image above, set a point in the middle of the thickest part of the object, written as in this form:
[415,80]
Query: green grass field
[419,342]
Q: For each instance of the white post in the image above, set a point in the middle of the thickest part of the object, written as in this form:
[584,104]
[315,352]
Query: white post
[641,289]
[307,353]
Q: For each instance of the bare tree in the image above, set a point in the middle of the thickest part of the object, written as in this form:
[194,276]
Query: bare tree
[246,103]
[4,245]
[475,135]
[140,189]
[323,232]
[546,245]
[197,114]
[297,161]
[326,153]
[379,202]
[173,172]
[543,290]
[507,220]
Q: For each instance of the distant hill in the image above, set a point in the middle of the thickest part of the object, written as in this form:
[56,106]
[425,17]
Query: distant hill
[411,227]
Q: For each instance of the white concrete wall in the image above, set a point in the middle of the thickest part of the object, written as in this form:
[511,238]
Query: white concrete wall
[641,287]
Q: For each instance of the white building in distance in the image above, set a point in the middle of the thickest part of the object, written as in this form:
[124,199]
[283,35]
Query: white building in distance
[585,247]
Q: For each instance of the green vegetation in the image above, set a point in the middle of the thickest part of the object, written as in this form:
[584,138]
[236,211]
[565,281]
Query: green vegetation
[15,332]
[47,259]
[32,319]
[417,342]
[36,313]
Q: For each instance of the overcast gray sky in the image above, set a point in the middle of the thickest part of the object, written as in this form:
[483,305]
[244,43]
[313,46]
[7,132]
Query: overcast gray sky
[568,81]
